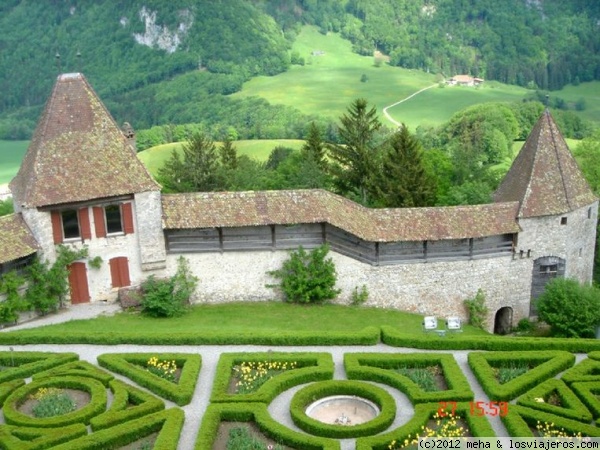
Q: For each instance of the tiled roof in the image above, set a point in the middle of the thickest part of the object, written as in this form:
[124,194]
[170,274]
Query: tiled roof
[236,209]
[545,178]
[77,152]
[16,240]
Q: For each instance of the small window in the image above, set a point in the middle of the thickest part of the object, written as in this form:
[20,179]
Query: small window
[550,269]
[70,223]
[589,213]
[580,252]
[563,220]
[113,219]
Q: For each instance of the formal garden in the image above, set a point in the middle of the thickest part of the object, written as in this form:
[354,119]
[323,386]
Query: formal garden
[299,374]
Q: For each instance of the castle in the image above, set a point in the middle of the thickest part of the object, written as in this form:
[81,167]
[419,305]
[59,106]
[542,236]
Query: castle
[81,184]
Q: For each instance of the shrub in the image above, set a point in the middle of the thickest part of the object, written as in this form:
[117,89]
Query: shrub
[571,310]
[52,402]
[307,277]
[169,297]
[477,309]
[359,297]
[525,325]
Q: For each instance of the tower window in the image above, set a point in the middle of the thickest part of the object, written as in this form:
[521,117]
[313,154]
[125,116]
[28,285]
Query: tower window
[563,220]
[70,223]
[113,219]
[589,213]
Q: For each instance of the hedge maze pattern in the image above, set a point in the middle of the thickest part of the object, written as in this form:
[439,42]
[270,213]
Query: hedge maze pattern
[127,404]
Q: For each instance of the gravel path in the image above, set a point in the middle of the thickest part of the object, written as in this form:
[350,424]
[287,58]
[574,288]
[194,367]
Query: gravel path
[279,408]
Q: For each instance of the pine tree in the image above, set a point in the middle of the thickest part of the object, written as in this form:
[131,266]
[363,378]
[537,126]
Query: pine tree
[314,147]
[228,154]
[354,160]
[197,171]
[402,180]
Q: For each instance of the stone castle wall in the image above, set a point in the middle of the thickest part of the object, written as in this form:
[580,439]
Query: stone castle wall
[426,288]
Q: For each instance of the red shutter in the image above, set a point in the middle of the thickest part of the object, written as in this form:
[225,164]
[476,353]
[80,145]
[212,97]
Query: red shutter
[127,213]
[119,271]
[84,223]
[78,283]
[99,224]
[57,231]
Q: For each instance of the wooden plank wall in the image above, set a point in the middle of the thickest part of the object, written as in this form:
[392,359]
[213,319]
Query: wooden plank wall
[276,237]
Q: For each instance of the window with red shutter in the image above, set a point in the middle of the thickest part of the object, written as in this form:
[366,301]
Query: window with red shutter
[127,211]
[84,223]
[57,232]
[99,224]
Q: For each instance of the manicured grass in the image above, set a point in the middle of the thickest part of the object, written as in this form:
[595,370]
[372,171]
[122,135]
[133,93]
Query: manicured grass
[259,149]
[11,155]
[265,317]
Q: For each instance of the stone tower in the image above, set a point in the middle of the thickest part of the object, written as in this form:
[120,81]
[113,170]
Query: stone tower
[557,208]
[81,184]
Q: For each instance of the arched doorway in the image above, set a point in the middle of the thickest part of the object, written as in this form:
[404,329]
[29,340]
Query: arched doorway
[503,320]
[544,269]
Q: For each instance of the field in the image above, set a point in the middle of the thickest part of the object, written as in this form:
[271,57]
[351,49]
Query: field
[329,82]
[11,155]
[153,158]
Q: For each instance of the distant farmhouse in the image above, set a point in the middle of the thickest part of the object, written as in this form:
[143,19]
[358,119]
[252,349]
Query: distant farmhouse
[464,80]
[81,184]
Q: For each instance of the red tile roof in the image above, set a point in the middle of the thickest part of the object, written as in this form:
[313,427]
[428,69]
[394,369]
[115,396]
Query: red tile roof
[16,240]
[545,178]
[78,152]
[236,209]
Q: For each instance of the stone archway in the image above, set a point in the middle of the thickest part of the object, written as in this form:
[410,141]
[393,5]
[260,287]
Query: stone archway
[503,320]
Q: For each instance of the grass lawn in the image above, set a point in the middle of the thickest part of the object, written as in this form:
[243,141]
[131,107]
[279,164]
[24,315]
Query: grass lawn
[258,317]
[153,158]
[11,155]
[590,92]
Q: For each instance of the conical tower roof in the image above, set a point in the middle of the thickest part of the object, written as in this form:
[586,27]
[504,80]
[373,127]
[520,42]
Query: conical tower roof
[545,178]
[78,152]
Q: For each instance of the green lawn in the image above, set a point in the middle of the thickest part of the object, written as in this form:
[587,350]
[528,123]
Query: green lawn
[153,158]
[590,92]
[11,155]
[255,317]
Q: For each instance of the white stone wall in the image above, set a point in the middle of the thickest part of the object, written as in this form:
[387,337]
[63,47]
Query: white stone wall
[151,238]
[426,288]
[574,242]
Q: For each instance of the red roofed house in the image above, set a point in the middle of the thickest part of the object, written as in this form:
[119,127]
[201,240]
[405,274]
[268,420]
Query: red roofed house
[81,184]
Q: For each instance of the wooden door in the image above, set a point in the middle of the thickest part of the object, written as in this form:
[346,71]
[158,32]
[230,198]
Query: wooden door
[78,283]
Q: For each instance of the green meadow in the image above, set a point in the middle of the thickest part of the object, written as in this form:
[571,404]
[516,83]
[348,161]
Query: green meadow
[259,149]
[328,83]
[590,92]
[11,155]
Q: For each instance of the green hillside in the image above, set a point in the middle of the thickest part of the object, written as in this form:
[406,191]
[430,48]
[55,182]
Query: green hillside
[153,158]
[11,155]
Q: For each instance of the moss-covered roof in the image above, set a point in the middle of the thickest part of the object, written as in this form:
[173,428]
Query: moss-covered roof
[78,152]
[16,240]
[236,209]
[545,178]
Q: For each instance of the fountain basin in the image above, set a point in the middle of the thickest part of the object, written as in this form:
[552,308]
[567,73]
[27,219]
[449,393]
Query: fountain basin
[343,410]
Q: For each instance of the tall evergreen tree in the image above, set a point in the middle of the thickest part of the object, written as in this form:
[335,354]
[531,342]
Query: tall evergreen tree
[228,154]
[354,160]
[403,180]
[314,147]
[197,171]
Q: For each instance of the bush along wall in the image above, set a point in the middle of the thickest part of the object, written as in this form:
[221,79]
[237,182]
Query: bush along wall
[395,338]
[135,366]
[383,368]
[300,368]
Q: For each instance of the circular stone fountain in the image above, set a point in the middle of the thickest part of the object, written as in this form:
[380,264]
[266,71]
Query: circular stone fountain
[343,410]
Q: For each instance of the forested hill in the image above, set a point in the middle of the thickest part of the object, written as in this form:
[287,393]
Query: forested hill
[157,62]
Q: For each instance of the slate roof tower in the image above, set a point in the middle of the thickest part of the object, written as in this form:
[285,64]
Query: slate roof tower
[81,183]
